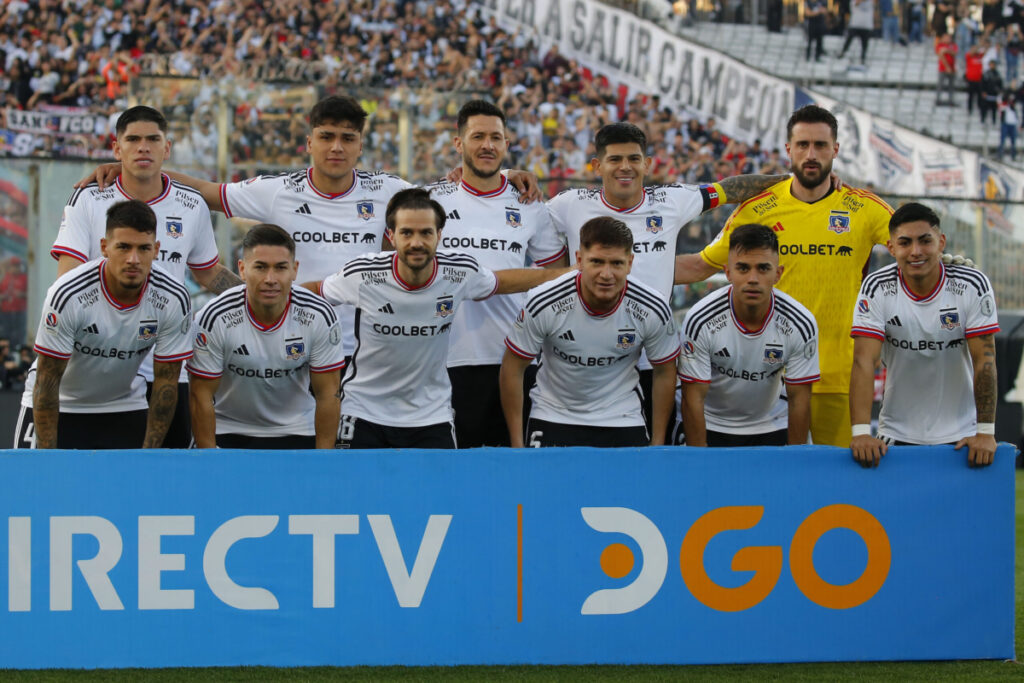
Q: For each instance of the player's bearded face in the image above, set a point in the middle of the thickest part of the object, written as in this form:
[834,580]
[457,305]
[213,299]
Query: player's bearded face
[130,255]
[334,149]
[623,168]
[482,145]
[603,274]
[416,237]
[812,150]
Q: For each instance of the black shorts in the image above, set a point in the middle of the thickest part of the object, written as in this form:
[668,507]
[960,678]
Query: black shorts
[543,434]
[290,442]
[646,391]
[476,400]
[87,431]
[724,440]
[356,433]
[179,432]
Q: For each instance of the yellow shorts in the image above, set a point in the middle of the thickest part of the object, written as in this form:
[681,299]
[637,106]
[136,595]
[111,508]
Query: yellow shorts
[830,419]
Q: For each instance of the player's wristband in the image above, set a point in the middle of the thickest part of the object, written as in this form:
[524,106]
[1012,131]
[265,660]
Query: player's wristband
[986,428]
[861,430]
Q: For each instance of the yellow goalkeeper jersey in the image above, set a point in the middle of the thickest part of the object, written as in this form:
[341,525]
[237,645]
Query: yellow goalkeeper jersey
[824,249]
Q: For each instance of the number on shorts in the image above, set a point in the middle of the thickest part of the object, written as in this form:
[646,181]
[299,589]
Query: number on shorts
[535,438]
[347,428]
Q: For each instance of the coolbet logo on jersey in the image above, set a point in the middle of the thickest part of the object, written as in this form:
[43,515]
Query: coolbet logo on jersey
[294,349]
[365,210]
[950,318]
[174,227]
[147,330]
[765,561]
[839,221]
[513,218]
[445,307]
[654,224]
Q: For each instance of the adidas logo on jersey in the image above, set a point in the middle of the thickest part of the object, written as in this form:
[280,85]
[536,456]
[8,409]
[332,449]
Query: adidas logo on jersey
[895,321]
[304,209]
[91,329]
[242,351]
[454,216]
[723,353]
[567,336]
[386,308]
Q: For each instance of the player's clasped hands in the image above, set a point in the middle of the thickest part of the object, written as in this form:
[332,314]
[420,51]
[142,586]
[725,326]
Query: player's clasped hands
[867,450]
[981,449]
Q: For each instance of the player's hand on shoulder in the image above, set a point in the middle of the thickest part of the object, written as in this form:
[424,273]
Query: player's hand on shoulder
[867,450]
[981,449]
[103,175]
[837,182]
[527,183]
[454,175]
[957,260]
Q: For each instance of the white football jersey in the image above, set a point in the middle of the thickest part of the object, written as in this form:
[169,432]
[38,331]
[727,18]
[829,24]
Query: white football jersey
[500,232]
[104,341]
[588,375]
[398,374]
[655,222]
[264,370]
[929,382]
[329,229]
[746,368]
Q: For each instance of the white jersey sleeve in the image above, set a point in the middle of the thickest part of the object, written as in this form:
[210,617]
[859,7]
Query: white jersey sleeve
[55,336]
[694,365]
[661,340]
[252,198]
[546,245]
[558,210]
[77,236]
[980,311]
[341,289]
[207,359]
[327,353]
[526,337]
[482,284]
[869,314]
[204,253]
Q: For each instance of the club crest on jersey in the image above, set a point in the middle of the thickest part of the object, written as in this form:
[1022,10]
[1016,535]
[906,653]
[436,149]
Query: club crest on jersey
[862,306]
[772,354]
[513,218]
[365,210]
[147,330]
[839,221]
[625,340]
[294,350]
[950,318]
[174,227]
[654,224]
[445,307]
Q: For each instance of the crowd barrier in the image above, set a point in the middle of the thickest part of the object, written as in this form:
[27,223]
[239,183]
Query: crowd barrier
[560,556]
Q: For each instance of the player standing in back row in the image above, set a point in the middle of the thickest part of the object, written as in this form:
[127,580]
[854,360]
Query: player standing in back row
[487,219]
[933,327]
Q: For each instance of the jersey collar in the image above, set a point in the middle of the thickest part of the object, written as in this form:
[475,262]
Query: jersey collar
[743,328]
[405,285]
[480,193]
[591,312]
[110,297]
[930,295]
[309,181]
[164,178]
[260,326]
[631,209]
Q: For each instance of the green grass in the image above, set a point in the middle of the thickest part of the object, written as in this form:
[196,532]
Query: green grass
[875,671]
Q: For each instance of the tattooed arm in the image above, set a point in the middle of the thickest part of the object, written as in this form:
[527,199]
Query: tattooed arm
[740,188]
[46,400]
[981,448]
[216,279]
[162,402]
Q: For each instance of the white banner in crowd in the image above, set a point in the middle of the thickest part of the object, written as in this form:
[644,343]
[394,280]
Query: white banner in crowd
[907,163]
[627,49]
[63,121]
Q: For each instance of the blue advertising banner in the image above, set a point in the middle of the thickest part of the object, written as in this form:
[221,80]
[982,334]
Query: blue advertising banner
[659,555]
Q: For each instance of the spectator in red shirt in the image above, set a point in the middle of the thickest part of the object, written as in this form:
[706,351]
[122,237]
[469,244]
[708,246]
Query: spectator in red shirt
[946,49]
[974,69]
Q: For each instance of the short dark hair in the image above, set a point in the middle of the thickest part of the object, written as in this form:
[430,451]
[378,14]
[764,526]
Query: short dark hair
[413,198]
[270,235]
[338,109]
[912,212]
[478,108]
[753,236]
[133,214]
[812,113]
[606,231]
[616,133]
[140,113]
